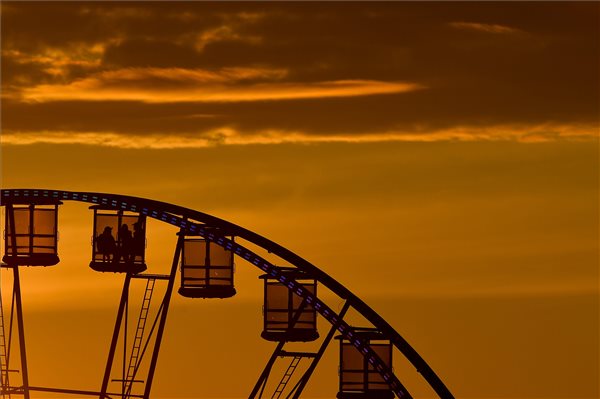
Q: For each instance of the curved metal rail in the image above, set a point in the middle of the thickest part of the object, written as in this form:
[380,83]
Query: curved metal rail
[181,217]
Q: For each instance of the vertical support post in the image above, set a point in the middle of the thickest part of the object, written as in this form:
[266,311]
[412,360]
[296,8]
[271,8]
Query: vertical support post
[123,383]
[20,324]
[313,364]
[115,337]
[163,315]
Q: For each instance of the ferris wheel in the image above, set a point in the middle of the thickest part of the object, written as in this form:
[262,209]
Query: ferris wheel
[203,267]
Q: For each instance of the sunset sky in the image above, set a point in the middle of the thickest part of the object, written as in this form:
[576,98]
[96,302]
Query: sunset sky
[439,159]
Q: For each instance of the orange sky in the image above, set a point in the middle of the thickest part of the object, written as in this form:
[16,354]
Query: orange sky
[440,160]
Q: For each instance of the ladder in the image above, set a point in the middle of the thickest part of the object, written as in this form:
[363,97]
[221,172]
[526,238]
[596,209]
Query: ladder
[286,377]
[3,356]
[134,360]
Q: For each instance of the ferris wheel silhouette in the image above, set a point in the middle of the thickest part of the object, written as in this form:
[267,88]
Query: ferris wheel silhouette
[204,257]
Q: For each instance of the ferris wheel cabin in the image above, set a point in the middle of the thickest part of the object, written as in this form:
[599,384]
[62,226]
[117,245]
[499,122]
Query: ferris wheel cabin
[206,269]
[118,241]
[286,316]
[358,378]
[30,232]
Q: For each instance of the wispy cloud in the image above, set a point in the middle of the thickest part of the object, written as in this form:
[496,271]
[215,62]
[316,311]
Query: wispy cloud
[57,61]
[168,85]
[223,33]
[487,28]
[229,30]
[231,136]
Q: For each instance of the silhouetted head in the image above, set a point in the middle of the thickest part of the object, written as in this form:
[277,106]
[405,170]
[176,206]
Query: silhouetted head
[108,230]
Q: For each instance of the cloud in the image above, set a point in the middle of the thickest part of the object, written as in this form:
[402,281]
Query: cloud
[58,61]
[487,28]
[223,33]
[124,71]
[168,85]
[229,29]
[230,136]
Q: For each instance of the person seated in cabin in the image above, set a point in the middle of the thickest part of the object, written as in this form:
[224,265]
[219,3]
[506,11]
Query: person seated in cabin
[125,247]
[106,244]
[139,240]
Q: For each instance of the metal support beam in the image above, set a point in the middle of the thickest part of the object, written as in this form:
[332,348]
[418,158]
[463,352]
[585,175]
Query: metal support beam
[20,325]
[163,316]
[304,380]
[115,337]
[152,276]
[124,368]
[77,392]
[297,354]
